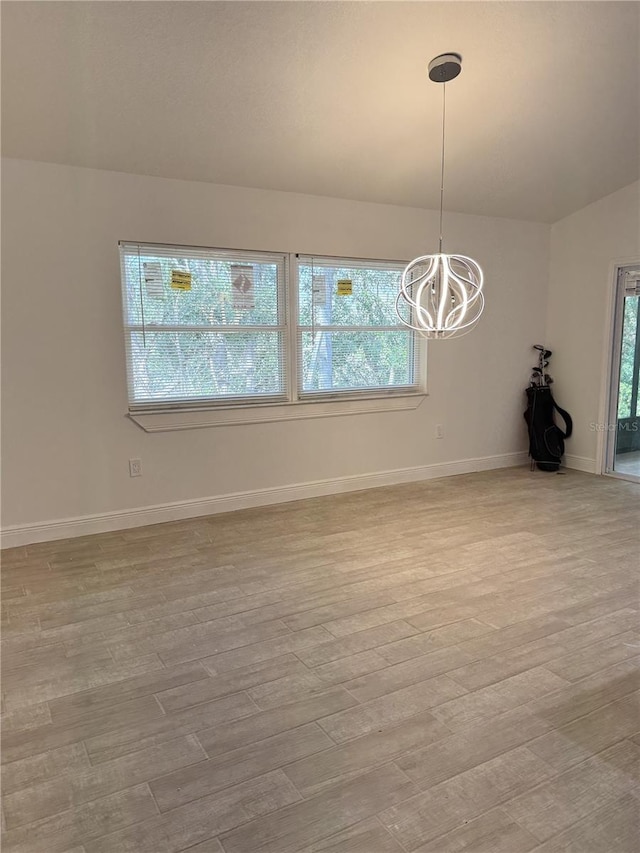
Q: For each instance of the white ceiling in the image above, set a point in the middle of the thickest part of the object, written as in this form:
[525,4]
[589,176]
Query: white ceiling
[332,98]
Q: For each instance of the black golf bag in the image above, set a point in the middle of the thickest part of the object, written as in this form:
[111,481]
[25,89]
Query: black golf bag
[546,439]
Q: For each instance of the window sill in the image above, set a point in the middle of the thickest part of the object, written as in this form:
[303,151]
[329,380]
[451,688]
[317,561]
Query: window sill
[264,414]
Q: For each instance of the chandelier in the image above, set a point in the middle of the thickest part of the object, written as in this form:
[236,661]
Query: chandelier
[441,295]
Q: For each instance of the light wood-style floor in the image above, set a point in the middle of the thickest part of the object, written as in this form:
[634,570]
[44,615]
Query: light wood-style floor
[435,667]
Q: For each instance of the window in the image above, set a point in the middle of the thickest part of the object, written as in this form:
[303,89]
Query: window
[210,328]
[203,326]
[349,338]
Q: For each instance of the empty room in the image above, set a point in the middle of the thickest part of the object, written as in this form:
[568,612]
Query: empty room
[320,427]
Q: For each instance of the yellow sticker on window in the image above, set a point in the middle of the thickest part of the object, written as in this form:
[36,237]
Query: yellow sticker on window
[345,287]
[180,280]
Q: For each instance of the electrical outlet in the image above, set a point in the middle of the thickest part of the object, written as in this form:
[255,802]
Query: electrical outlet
[439,431]
[135,467]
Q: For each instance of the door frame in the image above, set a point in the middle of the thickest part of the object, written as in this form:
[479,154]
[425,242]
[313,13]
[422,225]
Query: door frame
[608,409]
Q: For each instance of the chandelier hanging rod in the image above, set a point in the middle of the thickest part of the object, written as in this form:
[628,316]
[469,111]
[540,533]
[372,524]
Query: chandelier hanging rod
[442,69]
[441,295]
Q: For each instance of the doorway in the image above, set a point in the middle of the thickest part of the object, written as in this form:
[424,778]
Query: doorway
[623,427]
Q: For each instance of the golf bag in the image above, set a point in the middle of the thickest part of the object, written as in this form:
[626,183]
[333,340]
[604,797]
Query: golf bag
[546,439]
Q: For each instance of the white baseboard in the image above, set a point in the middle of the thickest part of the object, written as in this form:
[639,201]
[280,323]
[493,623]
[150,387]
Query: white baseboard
[580,463]
[66,528]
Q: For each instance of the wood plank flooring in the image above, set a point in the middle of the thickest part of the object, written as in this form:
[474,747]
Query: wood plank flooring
[429,668]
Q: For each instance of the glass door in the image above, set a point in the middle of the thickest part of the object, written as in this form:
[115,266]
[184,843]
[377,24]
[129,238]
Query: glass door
[623,446]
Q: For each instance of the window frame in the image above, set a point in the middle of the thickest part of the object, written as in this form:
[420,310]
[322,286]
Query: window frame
[293,404]
[279,259]
[418,344]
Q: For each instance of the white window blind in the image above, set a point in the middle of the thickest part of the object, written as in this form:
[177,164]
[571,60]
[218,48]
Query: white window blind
[349,338]
[203,326]
[218,328]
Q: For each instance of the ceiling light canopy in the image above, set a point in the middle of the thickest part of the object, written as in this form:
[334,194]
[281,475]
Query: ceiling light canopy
[441,295]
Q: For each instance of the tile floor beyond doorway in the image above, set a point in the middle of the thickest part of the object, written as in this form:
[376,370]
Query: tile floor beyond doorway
[628,463]
[435,667]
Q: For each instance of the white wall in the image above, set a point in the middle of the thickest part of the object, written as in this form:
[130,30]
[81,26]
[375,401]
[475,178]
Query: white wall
[583,247]
[66,440]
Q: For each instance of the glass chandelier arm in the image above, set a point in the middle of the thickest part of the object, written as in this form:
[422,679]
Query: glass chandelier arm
[456,316]
[443,284]
[476,276]
[455,333]
[468,288]
[406,283]
[409,325]
[460,306]
[423,314]
[458,327]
